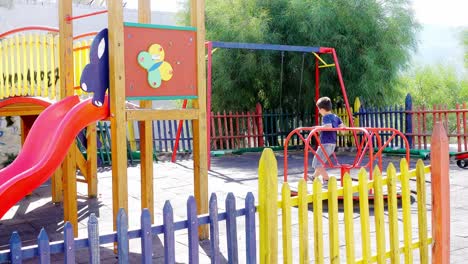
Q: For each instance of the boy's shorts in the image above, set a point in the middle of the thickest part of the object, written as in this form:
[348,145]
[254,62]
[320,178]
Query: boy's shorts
[329,149]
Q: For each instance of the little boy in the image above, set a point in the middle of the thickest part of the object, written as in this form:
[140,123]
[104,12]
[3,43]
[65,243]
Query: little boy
[327,138]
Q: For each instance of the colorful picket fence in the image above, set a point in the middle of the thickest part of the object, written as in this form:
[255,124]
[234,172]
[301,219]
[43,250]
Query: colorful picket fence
[379,188]
[29,63]
[69,246]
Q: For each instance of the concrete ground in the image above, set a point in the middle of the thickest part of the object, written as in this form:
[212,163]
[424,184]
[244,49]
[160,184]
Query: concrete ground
[230,173]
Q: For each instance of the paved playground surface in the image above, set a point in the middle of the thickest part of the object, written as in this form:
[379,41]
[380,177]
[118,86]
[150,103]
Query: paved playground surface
[174,182]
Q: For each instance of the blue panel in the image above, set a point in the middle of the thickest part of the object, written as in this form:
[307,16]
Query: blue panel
[253,46]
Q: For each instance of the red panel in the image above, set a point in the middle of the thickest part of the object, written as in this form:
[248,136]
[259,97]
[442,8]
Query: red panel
[179,48]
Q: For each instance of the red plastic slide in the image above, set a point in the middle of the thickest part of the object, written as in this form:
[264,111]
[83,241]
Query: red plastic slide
[46,146]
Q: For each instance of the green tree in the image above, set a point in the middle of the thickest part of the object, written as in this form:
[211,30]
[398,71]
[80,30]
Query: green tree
[435,85]
[373,40]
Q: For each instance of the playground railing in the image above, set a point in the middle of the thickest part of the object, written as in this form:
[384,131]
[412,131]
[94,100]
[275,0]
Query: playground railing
[29,62]
[69,248]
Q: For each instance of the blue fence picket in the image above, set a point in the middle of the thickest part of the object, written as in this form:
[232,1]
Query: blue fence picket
[231,229]
[214,229]
[15,248]
[122,236]
[146,237]
[192,226]
[169,239]
[69,243]
[188,136]
[401,127]
[409,119]
[93,239]
[43,247]
[250,237]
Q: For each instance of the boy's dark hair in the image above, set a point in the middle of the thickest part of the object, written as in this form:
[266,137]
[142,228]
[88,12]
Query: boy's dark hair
[324,103]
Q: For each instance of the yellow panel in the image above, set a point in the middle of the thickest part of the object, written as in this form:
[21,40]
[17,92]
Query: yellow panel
[2,85]
[45,70]
[17,75]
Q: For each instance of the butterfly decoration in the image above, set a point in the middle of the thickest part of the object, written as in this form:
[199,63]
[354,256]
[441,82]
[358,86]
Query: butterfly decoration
[153,61]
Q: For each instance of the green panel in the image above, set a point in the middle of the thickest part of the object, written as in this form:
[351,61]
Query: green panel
[140,25]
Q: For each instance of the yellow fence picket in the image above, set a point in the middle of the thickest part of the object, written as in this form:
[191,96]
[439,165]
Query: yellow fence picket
[364,213]
[393,215]
[318,224]
[406,204]
[286,223]
[303,220]
[422,212]
[333,222]
[25,87]
[379,216]
[17,75]
[45,70]
[2,84]
[268,207]
[348,218]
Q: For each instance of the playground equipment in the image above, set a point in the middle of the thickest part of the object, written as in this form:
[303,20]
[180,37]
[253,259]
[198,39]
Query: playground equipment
[137,53]
[462,159]
[368,138]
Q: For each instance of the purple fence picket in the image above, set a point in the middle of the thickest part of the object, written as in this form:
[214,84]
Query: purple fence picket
[251,253]
[122,236]
[192,222]
[69,243]
[43,247]
[146,237]
[231,229]
[169,239]
[15,248]
[214,229]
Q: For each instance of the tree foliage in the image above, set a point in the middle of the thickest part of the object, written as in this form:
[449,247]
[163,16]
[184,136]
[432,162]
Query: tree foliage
[373,40]
[435,85]
[465,45]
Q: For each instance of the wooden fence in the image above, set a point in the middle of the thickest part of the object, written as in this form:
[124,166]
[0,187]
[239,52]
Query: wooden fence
[29,64]
[69,246]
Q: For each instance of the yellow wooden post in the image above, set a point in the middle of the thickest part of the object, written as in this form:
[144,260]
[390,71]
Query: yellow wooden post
[117,110]
[91,160]
[66,87]
[393,215]
[357,105]
[406,204]
[286,217]
[2,84]
[200,149]
[267,207]
[333,221]
[146,133]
